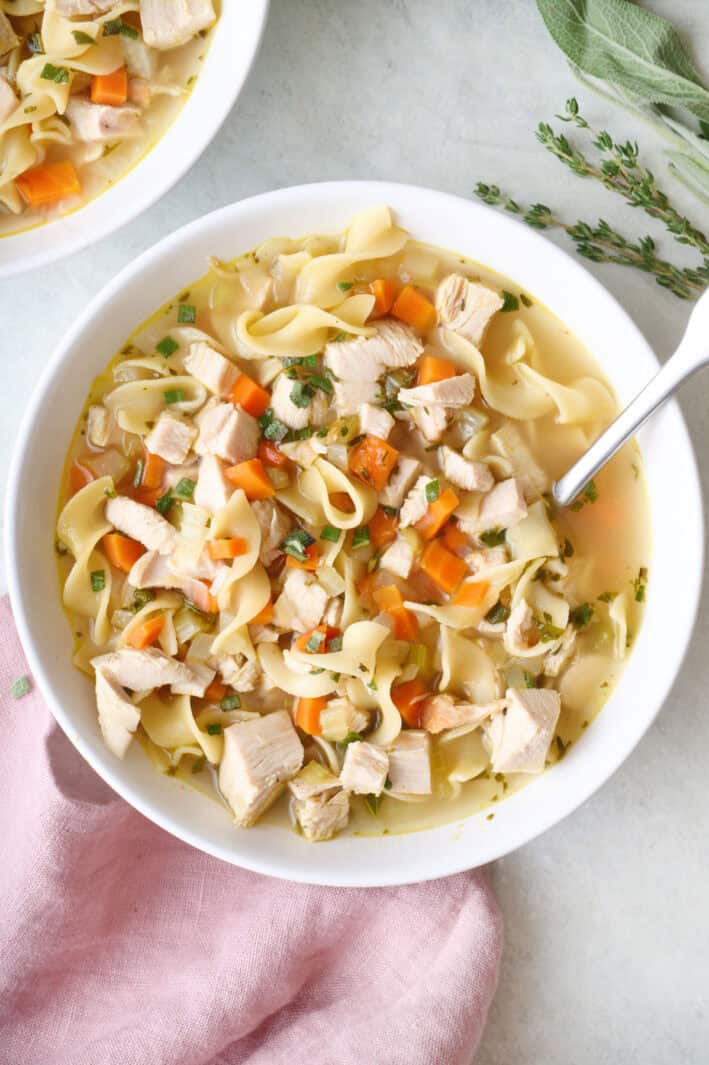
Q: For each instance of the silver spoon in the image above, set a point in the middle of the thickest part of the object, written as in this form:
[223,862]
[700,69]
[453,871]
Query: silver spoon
[691,355]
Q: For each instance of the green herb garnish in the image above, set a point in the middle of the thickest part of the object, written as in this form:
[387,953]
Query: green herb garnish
[499,612]
[640,585]
[60,75]
[20,686]
[215,729]
[301,394]
[510,302]
[141,597]
[329,532]
[373,802]
[98,580]
[323,383]
[138,475]
[116,27]
[164,503]
[525,299]
[271,427]
[344,286]
[186,314]
[334,643]
[360,536]
[493,537]
[351,737]
[295,544]
[317,639]
[184,489]
[174,395]
[580,616]
[34,44]
[167,346]
[433,490]
[567,549]
[82,38]
[547,630]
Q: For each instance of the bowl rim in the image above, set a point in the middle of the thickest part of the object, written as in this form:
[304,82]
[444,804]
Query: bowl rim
[145,193]
[110,769]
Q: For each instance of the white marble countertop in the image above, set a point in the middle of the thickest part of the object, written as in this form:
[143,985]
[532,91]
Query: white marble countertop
[607,930]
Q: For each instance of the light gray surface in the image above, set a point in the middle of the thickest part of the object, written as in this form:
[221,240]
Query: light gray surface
[607,930]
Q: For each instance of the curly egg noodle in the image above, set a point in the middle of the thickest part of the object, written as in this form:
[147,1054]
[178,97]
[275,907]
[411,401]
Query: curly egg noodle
[85,89]
[308,548]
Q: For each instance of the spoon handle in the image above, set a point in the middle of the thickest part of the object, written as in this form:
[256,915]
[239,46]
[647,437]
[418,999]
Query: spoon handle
[691,355]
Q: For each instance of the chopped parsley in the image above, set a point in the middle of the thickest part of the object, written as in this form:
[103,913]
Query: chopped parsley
[34,43]
[607,597]
[215,729]
[174,395]
[433,490]
[184,489]
[391,512]
[60,75]
[529,680]
[493,537]
[344,286]
[230,702]
[351,737]
[115,27]
[510,302]
[547,630]
[271,427]
[329,532]
[83,38]
[314,644]
[498,613]
[335,643]
[567,549]
[164,503]
[138,475]
[525,299]
[580,616]
[589,495]
[98,580]
[186,314]
[373,802]
[323,383]
[295,544]
[141,597]
[21,686]
[167,347]
[301,360]
[640,585]
[360,537]
[301,393]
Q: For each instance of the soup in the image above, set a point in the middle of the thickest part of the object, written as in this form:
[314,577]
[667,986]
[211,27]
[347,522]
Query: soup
[308,547]
[87,87]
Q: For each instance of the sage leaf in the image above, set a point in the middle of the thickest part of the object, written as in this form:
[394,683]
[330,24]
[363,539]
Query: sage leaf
[622,43]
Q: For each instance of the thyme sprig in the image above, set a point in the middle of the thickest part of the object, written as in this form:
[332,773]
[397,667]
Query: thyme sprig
[620,171]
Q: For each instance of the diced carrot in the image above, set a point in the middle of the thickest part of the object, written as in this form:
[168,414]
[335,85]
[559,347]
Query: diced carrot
[147,496]
[372,460]
[250,396]
[146,633]
[343,502]
[408,698]
[307,714]
[270,455]
[389,600]
[382,528]
[252,477]
[388,597]
[153,470]
[412,307]
[431,369]
[444,568]
[329,632]
[453,538]
[48,183]
[471,593]
[121,551]
[437,514]
[384,292]
[264,616]
[312,559]
[228,548]
[215,692]
[111,89]
[79,477]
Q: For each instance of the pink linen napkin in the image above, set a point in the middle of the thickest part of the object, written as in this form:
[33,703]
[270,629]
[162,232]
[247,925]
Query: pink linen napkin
[120,945]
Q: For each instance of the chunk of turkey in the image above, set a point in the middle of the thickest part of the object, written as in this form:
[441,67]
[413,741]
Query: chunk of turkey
[472,476]
[228,432]
[432,421]
[415,505]
[118,718]
[340,718]
[392,347]
[212,490]
[520,736]
[100,122]
[98,424]
[171,438]
[290,413]
[322,816]
[143,670]
[274,523]
[466,306]
[260,757]
[351,396]
[502,507]
[301,604]
[400,481]
[365,768]
[398,558]
[141,523]
[509,442]
[152,570]
[561,653]
[410,763]
[170,23]
[441,712]
[452,392]
[69,8]
[375,421]
[519,625]
[211,368]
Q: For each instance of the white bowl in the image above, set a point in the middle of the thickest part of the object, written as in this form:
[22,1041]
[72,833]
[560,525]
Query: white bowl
[232,51]
[536,266]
